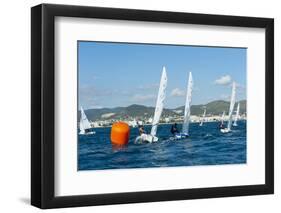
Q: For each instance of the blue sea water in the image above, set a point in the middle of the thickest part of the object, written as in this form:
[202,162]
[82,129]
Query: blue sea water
[205,146]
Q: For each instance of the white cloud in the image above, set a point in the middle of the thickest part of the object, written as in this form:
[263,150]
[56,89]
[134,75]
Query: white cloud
[139,97]
[148,86]
[177,92]
[96,107]
[91,91]
[223,80]
[240,86]
[91,97]
[107,115]
[225,97]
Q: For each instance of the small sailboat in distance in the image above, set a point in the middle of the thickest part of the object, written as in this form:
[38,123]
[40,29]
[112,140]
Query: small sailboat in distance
[158,111]
[203,118]
[237,115]
[186,119]
[231,107]
[84,124]
[133,123]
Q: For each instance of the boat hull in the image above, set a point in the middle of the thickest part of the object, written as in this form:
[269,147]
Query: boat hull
[181,135]
[145,138]
[87,133]
[225,130]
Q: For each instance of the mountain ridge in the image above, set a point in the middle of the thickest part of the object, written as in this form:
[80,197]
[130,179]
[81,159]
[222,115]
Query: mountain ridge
[137,110]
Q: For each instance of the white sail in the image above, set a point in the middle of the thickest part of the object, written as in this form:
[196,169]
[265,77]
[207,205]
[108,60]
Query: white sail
[82,130]
[222,117]
[133,123]
[237,115]
[84,122]
[231,107]
[203,117]
[185,126]
[160,102]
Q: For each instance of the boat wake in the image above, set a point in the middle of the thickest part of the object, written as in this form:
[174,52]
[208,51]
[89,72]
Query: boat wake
[208,136]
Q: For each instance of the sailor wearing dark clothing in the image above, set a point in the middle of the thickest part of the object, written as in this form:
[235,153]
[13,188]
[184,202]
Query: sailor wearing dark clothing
[174,129]
[221,126]
[141,129]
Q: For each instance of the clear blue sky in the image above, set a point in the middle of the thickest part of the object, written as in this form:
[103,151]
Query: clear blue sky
[121,74]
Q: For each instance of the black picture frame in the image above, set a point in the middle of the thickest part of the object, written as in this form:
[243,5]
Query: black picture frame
[43,110]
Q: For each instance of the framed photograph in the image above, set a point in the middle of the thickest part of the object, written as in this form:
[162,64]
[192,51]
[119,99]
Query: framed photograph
[139,106]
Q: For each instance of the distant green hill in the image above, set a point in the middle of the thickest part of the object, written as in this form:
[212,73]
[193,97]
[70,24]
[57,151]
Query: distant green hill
[212,108]
[124,112]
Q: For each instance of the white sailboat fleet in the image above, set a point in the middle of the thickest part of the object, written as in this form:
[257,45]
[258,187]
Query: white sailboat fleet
[203,118]
[158,111]
[159,108]
[231,107]
[84,125]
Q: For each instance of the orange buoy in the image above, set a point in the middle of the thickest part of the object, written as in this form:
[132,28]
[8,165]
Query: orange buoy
[120,133]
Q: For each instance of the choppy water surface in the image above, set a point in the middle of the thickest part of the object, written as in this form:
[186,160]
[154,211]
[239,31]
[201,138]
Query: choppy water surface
[206,146]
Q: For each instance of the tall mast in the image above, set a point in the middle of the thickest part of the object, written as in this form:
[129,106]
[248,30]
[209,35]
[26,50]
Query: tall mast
[185,126]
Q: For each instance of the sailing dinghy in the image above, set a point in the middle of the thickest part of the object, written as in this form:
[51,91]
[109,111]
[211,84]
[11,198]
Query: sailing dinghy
[231,107]
[237,115]
[84,125]
[186,120]
[133,123]
[158,111]
[203,118]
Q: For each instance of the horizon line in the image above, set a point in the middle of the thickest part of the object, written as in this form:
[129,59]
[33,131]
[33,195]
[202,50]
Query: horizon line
[154,106]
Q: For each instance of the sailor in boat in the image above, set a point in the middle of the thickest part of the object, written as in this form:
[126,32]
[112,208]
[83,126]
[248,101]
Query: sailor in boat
[144,137]
[88,131]
[181,135]
[141,129]
[221,126]
[174,129]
